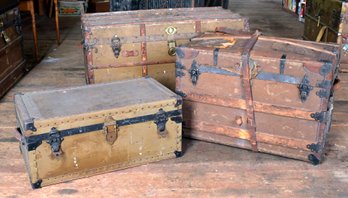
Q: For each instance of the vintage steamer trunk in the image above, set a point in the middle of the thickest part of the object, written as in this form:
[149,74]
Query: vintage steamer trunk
[78,132]
[267,94]
[123,45]
[12,64]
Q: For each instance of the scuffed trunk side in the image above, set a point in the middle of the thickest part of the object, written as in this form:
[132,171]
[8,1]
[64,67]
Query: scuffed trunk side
[280,97]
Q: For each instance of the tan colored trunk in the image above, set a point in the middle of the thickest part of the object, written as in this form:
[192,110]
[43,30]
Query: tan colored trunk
[148,39]
[104,128]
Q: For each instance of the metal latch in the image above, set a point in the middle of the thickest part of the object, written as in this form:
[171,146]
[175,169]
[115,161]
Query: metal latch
[171,48]
[161,120]
[194,72]
[5,37]
[305,88]
[171,43]
[110,130]
[116,46]
[55,140]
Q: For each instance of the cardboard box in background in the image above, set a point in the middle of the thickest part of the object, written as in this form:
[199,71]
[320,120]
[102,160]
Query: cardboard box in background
[71,8]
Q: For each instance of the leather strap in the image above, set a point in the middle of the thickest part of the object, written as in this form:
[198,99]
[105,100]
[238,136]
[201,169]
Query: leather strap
[143,49]
[247,88]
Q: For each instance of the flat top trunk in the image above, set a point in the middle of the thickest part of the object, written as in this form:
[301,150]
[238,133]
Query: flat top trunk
[86,99]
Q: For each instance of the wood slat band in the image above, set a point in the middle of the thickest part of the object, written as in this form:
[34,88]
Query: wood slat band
[143,49]
[198,26]
[246,81]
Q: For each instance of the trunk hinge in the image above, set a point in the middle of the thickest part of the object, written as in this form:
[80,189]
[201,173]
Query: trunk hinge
[326,68]
[324,84]
[323,93]
[319,116]
[178,69]
[180,93]
[316,148]
[313,159]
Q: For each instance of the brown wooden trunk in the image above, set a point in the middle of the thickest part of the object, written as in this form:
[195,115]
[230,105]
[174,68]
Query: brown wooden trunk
[267,94]
[12,64]
[83,131]
[124,45]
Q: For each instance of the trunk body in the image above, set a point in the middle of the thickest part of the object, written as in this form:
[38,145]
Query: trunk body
[12,64]
[322,18]
[124,45]
[79,132]
[262,93]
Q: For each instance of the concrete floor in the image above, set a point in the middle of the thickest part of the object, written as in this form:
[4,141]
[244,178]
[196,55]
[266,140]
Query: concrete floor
[205,170]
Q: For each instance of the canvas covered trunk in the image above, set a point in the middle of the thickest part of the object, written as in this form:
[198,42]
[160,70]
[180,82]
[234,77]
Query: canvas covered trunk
[267,94]
[124,45]
[83,131]
[12,64]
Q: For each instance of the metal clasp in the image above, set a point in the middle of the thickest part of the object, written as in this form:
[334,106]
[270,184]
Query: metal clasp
[110,129]
[194,72]
[161,120]
[116,45]
[305,88]
[171,48]
[55,140]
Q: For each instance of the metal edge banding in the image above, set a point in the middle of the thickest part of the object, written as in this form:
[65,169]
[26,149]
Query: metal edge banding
[215,70]
[216,56]
[278,78]
[148,38]
[87,50]
[35,140]
[26,121]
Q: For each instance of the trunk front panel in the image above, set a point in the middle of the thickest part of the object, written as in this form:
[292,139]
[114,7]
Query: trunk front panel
[146,38]
[291,83]
[89,154]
